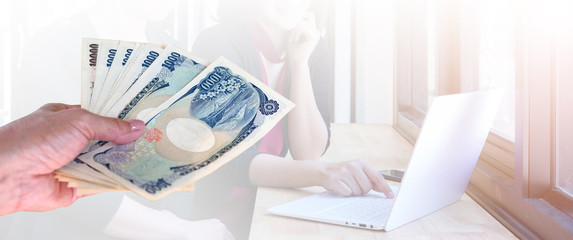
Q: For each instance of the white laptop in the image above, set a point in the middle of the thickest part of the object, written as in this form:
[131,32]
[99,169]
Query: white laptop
[446,151]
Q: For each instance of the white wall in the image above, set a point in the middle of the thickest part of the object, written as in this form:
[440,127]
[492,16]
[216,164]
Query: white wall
[363,81]
[342,61]
[374,61]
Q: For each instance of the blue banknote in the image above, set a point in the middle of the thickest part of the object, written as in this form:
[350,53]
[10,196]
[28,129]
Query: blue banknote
[211,120]
[168,74]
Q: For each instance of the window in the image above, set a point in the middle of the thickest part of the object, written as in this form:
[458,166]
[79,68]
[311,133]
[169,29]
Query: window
[564,120]
[487,61]
[497,59]
[524,176]
[415,64]
[563,99]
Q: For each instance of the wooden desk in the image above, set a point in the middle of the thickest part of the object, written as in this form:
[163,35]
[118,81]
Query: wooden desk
[384,148]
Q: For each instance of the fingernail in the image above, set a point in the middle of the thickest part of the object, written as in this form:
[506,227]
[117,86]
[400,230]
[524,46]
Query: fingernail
[136,125]
[390,195]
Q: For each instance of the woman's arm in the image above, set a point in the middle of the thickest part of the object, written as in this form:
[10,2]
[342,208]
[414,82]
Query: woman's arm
[348,178]
[307,131]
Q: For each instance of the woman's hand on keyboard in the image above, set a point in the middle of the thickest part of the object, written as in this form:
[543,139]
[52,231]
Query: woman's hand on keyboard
[356,177]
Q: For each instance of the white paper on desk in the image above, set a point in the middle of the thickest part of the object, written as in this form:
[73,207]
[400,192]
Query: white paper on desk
[136,221]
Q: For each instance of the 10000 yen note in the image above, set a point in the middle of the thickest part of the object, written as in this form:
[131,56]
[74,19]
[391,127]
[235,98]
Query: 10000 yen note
[213,119]
[169,73]
[90,49]
[106,55]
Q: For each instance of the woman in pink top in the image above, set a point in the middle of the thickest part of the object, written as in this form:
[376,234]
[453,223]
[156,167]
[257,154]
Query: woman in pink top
[278,42]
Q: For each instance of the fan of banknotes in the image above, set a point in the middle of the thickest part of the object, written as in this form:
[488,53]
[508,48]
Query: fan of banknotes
[198,116]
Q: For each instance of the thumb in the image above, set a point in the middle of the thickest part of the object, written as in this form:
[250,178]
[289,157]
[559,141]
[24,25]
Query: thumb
[115,130]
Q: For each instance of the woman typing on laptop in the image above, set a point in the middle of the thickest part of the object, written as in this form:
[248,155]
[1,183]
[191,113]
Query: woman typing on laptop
[278,42]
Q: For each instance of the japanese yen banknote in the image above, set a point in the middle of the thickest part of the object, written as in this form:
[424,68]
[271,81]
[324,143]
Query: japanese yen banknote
[198,116]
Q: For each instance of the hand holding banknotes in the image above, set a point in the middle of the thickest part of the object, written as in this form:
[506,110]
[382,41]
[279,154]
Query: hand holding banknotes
[199,115]
[32,147]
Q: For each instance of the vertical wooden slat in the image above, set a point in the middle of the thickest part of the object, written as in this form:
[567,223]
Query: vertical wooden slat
[448,52]
[539,101]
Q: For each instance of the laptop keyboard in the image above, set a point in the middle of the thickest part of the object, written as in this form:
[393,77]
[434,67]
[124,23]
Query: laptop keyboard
[364,209]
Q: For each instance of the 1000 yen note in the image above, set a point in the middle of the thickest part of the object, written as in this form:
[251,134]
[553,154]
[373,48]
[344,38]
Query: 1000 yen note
[169,73]
[212,120]
[123,54]
[146,55]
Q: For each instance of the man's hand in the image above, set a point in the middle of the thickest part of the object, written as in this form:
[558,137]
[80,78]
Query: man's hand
[33,147]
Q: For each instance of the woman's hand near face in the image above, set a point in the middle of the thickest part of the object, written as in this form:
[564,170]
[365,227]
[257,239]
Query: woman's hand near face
[303,40]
